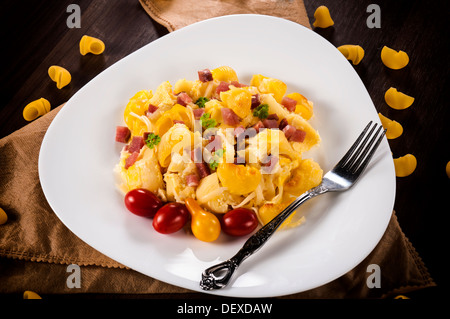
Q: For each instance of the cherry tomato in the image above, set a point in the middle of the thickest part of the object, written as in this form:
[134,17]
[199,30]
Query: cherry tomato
[142,202]
[239,222]
[170,218]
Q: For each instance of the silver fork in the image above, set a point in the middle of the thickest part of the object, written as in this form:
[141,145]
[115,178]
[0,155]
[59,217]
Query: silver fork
[340,178]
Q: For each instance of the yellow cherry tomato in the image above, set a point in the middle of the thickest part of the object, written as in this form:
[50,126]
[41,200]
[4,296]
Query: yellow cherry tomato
[204,225]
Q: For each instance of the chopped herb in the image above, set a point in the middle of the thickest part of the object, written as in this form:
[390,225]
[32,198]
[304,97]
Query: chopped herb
[207,121]
[152,140]
[216,159]
[262,111]
[201,102]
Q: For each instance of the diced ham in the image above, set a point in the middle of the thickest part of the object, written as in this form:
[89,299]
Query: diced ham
[229,117]
[273,117]
[298,136]
[131,159]
[222,87]
[152,108]
[214,144]
[258,126]
[123,133]
[202,169]
[255,101]
[196,155]
[250,132]
[270,123]
[288,130]
[192,180]
[178,121]
[205,75]
[283,124]
[289,103]
[238,130]
[198,113]
[237,84]
[136,144]
[183,99]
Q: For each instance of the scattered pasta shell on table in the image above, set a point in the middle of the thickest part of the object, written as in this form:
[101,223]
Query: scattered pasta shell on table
[323,18]
[393,59]
[35,109]
[92,45]
[31,295]
[405,165]
[398,100]
[393,128]
[59,75]
[3,216]
[447,169]
[354,53]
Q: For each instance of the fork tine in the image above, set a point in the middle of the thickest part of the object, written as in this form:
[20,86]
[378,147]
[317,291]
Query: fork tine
[362,164]
[349,153]
[355,155]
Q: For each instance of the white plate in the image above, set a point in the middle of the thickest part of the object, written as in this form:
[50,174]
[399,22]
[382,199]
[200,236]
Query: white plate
[78,155]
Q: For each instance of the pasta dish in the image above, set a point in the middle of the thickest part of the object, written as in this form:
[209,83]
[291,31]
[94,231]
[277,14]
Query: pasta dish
[223,143]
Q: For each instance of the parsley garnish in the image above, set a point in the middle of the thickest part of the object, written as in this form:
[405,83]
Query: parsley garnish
[152,140]
[201,102]
[262,111]
[216,158]
[207,121]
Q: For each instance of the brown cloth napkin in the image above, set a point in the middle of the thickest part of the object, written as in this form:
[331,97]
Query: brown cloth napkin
[175,14]
[36,248]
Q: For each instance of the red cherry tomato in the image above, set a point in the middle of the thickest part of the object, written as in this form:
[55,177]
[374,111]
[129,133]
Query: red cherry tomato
[239,222]
[142,202]
[170,218]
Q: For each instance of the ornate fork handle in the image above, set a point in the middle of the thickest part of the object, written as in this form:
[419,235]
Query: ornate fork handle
[219,275]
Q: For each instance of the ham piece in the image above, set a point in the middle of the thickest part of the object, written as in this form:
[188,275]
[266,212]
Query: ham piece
[222,87]
[198,113]
[289,103]
[183,99]
[131,159]
[270,123]
[136,144]
[229,117]
[293,134]
[298,136]
[205,75]
[122,134]
[202,169]
[192,180]
[258,126]
[283,124]
[151,108]
[288,130]
[255,101]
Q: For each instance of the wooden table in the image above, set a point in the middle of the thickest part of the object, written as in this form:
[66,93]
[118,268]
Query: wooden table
[35,36]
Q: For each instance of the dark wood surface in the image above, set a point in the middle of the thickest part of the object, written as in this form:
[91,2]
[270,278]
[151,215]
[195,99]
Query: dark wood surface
[35,35]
